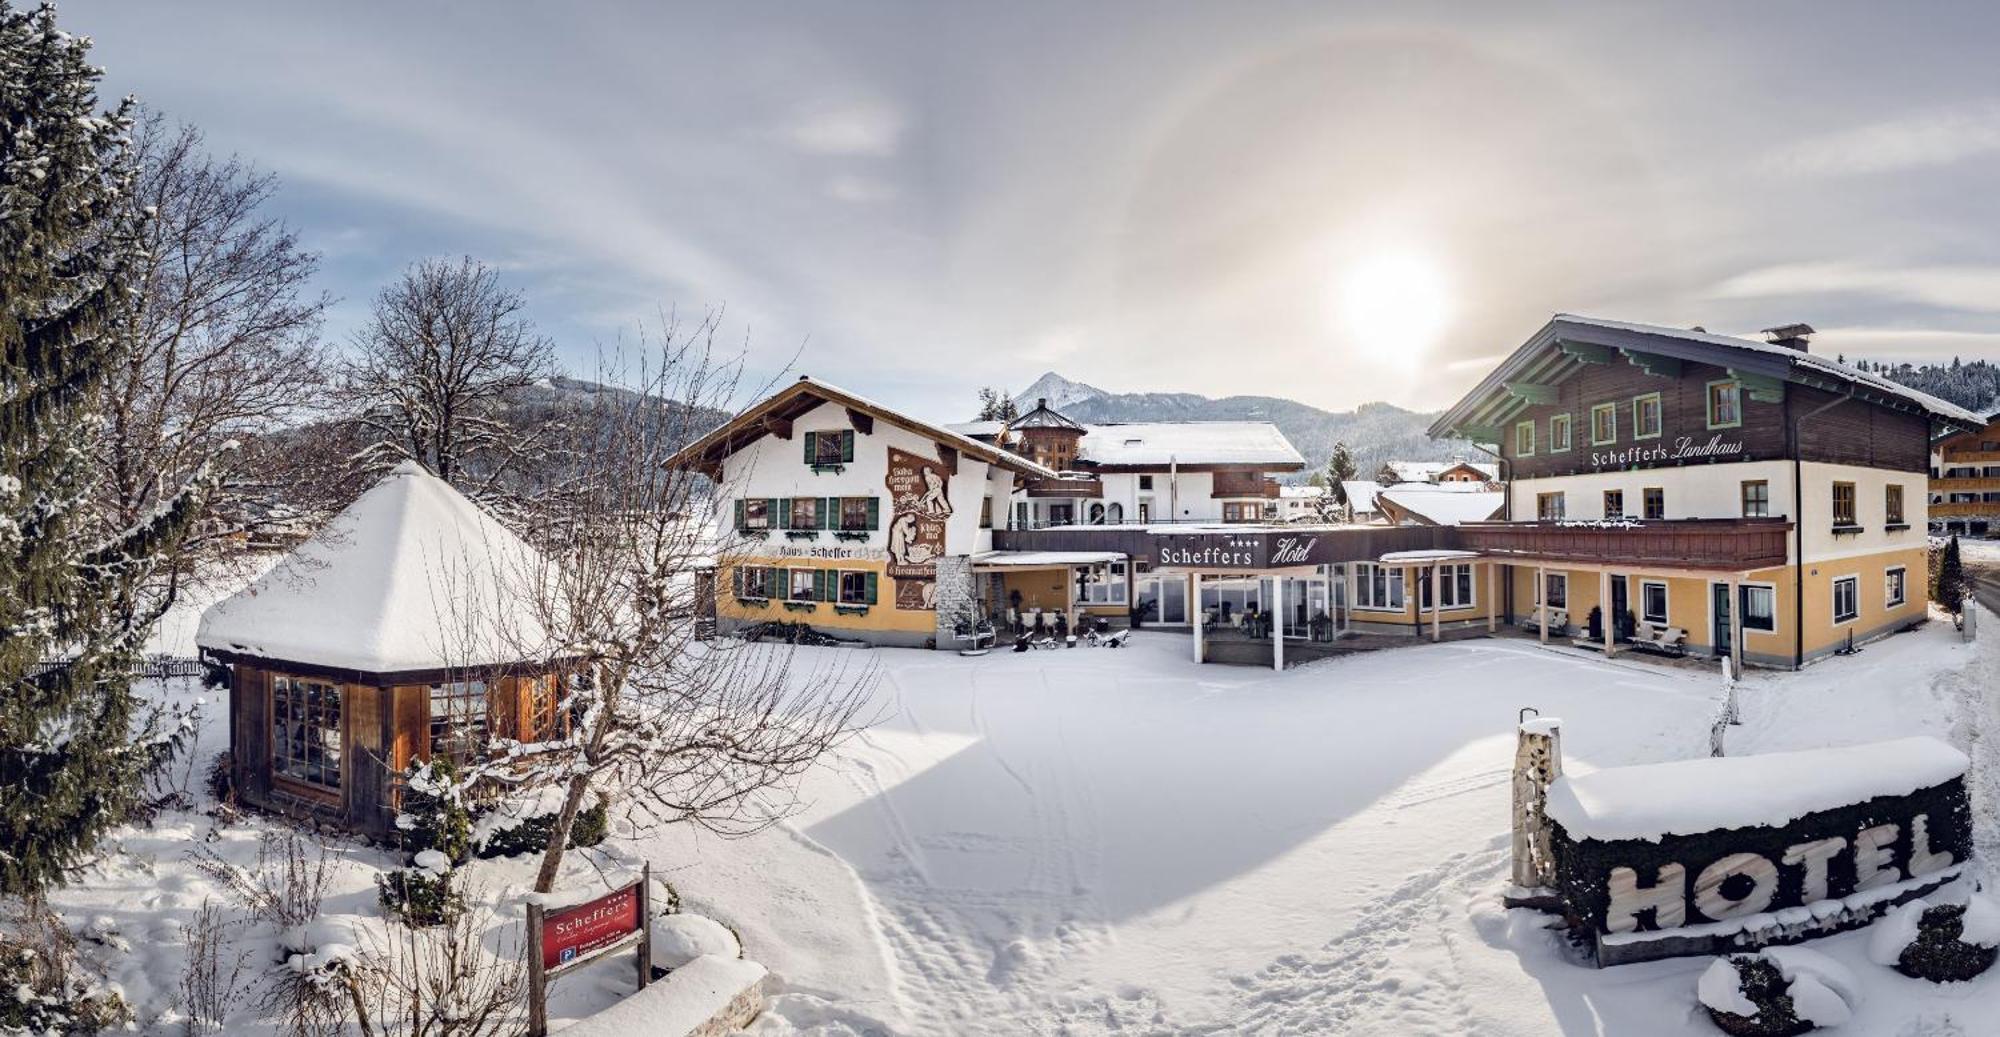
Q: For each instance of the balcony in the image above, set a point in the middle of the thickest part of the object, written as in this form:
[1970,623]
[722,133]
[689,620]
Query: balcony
[1964,483]
[1721,545]
[1235,486]
[1965,509]
[1068,484]
[1956,456]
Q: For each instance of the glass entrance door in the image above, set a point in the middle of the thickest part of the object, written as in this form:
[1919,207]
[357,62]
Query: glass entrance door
[1173,599]
[1305,601]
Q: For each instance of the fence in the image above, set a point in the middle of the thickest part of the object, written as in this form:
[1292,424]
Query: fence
[153,667]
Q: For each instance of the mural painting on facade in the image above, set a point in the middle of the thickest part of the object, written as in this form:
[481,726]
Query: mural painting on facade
[919,504]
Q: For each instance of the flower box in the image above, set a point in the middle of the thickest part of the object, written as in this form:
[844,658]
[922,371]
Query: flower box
[801,606]
[851,534]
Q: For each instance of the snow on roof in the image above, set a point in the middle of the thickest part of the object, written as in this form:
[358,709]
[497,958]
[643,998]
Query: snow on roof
[1303,491]
[411,576]
[976,429]
[1410,557]
[1361,493]
[1188,442]
[1044,559]
[1446,504]
[1688,797]
[1425,471]
[1796,356]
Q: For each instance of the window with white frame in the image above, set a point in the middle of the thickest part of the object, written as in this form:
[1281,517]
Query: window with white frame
[1614,504]
[1653,602]
[1646,416]
[1604,424]
[1846,599]
[1895,586]
[753,581]
[804,585]
[1760,608]
[1378,586]
[1105,585]
[1454,586]
[1524,439]
[1555,590]
[756,513]
[1549,506]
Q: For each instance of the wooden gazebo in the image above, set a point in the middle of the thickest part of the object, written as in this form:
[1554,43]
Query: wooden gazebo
[396,633]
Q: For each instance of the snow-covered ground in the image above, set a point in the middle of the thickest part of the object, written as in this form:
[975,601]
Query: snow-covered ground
[1098,841]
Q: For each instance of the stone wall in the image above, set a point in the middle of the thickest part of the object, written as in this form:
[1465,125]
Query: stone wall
[956,597]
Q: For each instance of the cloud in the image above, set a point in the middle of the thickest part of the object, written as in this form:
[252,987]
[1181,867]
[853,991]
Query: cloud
[868,129]
[1935,138]
[859,189]
[1973,289]
[1912,344]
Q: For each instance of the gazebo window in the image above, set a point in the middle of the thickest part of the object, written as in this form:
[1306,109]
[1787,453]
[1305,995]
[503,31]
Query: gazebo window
[458,719]
[305,731]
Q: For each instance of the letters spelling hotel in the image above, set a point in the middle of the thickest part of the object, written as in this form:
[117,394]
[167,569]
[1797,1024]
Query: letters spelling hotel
[1722,496]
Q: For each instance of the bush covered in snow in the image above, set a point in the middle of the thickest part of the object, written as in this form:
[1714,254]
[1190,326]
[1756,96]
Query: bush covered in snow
[40,995]
[422,895]
[1777,992]
[1943,943]
[592,824]
[679,939]
[434,815]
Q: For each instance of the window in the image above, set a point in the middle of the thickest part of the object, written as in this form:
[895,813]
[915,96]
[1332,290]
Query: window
[804,513]
[1892,504]
[1145,482]
[753,581]
[1846,599]
[754,513]
[1237,511]
[1021,519]
[862,512]
[1104,586]
[1655,502]
[1895,589]
[857,587]
[805,585]
[1549,506]
[1653,602]
[1555,590]
[1524,439]
[1646,416]
[1614,504]
[1455,586]
[1756,498]
[1559,432]
[1604,424]
[1760,608]
[458,719]
[1378,586]
[541,719]
[986,512]
[830,448]
[305,731]
[1843,505]
[1725,404]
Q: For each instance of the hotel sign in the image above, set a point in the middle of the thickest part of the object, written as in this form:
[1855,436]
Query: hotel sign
[1684,449]
[1237,550]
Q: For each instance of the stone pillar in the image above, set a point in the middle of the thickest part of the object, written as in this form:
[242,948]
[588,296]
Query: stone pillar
[1278,623]
[956,597]
[1195,614]
[1537,764]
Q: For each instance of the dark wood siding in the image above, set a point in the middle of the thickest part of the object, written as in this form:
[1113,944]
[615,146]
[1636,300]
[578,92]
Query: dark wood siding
[365,776]
[1852,432]
[250,731]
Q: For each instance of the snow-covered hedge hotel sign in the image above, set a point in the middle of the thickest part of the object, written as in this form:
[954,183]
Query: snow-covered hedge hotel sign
[1710,855]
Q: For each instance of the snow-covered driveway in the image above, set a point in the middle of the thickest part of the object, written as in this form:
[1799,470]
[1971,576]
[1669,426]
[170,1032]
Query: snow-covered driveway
[1120,841]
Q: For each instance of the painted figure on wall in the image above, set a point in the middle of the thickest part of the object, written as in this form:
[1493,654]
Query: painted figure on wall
[920,505]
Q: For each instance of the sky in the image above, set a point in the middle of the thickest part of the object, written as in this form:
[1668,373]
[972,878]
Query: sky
[1331,203]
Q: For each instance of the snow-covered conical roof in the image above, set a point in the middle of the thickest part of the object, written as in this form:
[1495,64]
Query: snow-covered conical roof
[411,576]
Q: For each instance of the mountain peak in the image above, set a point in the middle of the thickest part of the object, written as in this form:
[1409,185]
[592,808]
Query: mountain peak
[1059,391]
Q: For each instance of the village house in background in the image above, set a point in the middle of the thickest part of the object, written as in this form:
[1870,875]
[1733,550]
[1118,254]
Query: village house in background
[1728,496]
[1965,480]
[393,635]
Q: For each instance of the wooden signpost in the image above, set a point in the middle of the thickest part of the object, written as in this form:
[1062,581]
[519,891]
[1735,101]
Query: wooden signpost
[567,938]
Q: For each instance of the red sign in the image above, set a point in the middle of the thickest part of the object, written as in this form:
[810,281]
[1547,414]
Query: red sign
[575,933]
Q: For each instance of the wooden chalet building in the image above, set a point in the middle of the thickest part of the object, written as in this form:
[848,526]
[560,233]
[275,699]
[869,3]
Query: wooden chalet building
[1760,500]
[394,634]
[1965,480]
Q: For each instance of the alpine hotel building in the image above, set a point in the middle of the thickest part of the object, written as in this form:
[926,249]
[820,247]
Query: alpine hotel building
[1767,502]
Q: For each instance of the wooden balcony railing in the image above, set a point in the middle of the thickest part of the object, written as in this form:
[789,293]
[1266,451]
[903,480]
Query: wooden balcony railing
[1729,545]
[1237,488]
[1066,487]
[1965,509]
[1964,483]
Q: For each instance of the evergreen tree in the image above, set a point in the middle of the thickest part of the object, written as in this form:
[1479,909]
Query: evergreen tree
[996,405]
[1339,469]
[74,744]
[1951,585]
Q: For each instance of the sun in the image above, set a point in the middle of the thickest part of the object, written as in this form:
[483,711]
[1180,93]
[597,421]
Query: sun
[1396,302]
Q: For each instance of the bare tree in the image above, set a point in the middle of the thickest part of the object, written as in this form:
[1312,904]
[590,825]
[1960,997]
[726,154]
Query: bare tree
[223,334]
[436,361]
[442,982]
[666,727]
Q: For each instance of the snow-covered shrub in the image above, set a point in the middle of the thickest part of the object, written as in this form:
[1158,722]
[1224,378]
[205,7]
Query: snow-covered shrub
[222,779]
[435,815]
[1943,943]
[679,939]
[531,835]
[1777,992]
[212,979]
[423,894]
[40,993]
[593,825]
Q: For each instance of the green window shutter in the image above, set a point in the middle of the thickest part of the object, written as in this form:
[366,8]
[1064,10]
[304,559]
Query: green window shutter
[810,452]
[736,576]
[742,521]
[784,513]
[871,588]
[874,513]
[829,513]
[820,582]
[847,446]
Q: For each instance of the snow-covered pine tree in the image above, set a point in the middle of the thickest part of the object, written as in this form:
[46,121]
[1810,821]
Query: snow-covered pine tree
[1951,584]
[74,744]
[1333,505]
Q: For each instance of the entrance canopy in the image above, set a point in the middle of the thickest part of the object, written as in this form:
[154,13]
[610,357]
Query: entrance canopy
[1427,557]
[994,561]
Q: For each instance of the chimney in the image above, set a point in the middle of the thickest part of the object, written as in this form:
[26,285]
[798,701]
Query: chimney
[1041,402]
[1790,336]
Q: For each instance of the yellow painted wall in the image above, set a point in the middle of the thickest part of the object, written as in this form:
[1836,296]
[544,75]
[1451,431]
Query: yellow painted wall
[1049,590]
[1871,570]
[1486,596]
[882,616]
